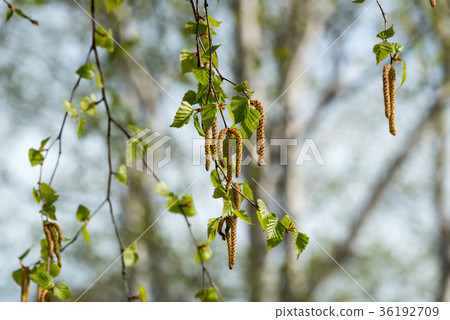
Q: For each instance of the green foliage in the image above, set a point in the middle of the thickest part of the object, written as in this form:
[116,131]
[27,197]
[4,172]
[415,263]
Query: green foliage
[243,215]
[83,213]
[204,253]
[104,38]
[86,234]
[44,249]
[49,197]
[240,106]
[207,295]
[130,255]
[87,71]
[386,34]
[358,1]
[35,157]
[184,205]
[219,192]
[228,207]
[163,189]
[112,4]
[17,276]
[36,195]
[241,87]
[198,127]
[275,232]
[9,14]
[300,242]
[183,115]
[142,294]
[247,191]
[23,255]
[42,279]
[62,291]
[88,106]
[122,174]
[209,113]
[70,109]
[188,61]
[215,179]
[201,74]
[81,123]
[213,225]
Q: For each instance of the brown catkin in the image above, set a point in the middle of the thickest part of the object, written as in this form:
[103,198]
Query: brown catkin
[25,285]
[48,236]
[237,196]
[260,134]
[44,296]
[433,3]
[231,240]
[222,134]
[229,164]
[58,256]
[207,149]
[235,132]
[392,91]
[58,229]
[386,93]
[214,139]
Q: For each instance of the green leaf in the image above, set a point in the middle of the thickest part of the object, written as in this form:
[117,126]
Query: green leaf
[228,207]
[36,195]
[23,255]
[35,157]
[122,174]
[183,115]
[62,291]
[204,253]
[198,127]
[70,108]
[112,4]
[88,107]
[219,192]
[213,22]
[215,178]
[264,215]
[188,60]
[48,194]
[163,189]
[247,191]
[104,38]
[190,97]
[240,106]
[98,79]
[187,206]
[191,27]
[136,148]
[300,242]
[383,49]
[275,233]
[134,128]
[49,210]
[17,276]
[87,71]
[43,143]
[209,113]
[243,215]
[202,75]
[241,87]
[44,249]
[287,222]
[130,256]
[358,1]
[404,73]
[386,34]
[85,234]
[9,14]
[142,294]
[213,225]
[83,213]
[42,279]
[207,295]
[81,124]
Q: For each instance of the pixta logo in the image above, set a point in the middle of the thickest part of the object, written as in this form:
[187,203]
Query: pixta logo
[148,151]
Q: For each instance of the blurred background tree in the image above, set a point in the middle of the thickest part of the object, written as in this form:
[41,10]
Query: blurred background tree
[377,214]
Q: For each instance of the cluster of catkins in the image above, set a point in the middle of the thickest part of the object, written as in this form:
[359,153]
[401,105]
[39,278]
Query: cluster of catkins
[389,92]
[214,146]
[54,236]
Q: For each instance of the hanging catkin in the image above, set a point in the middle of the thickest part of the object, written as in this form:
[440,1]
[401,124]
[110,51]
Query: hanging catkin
[386,93]
[229,163]
[25,284]
[207,149]
[234,132]
[260,134]
[48,236]
[213,142]
[237,196]
[433,3]
[222,134]
[231,240]
[392,92]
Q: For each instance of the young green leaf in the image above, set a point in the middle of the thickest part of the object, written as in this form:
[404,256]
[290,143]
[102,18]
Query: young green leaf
[83,213]
[213,225]
[209,113]
[241,87]
[240,106]
[122,174]
[85,234]
[204,253]
[42,279]
[36,195]
[142,294]
[251,122]
[98,79]
[62,291]
[188,61]
[207,295]
[198,127]
[219,192]
[49,210]
[17,276]
[48,194]
[87,71]
[243,215]
[228,207]
[300,242]
[130,256]
[104,38]
[247,191]
[190,97]
[215,179]
[70,108]
[264,215]
[213,22]
[191,27]
[35,157]
[112,4]
[88,107]
[9,14]
[386,34]
[81,124]
[275,233]
[183,115]
[287,222]
[202,75]
[23,255]
[404,73]
[163,189]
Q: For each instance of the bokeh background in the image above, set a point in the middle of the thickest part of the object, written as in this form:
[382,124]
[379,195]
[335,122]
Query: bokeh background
[379,207]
